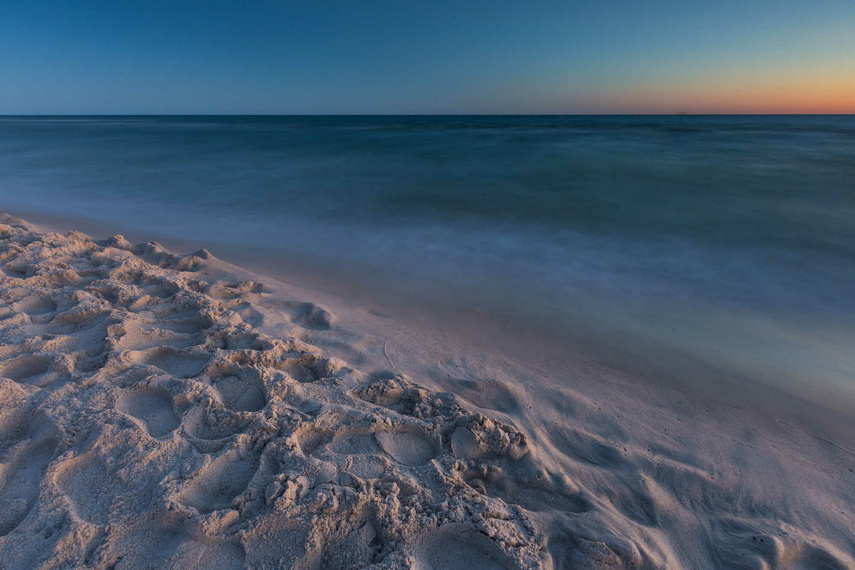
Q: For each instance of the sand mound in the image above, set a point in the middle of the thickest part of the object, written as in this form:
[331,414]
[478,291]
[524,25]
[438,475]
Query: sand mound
[145,422]
[147,425]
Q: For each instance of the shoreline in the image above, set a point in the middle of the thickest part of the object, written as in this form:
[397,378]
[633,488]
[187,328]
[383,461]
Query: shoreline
[501,457]
[580,352]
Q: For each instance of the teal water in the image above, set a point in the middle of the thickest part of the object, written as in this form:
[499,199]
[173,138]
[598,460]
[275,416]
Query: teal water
[728,237]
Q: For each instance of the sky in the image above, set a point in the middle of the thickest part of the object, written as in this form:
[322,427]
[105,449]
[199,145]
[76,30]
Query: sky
[420,57]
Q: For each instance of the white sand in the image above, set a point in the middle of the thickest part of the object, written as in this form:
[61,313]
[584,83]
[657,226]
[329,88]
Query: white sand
[173,411]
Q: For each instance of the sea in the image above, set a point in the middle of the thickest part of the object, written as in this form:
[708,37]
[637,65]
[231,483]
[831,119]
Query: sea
[726,239]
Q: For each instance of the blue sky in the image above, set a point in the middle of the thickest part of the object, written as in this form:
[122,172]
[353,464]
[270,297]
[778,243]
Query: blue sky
[610,56]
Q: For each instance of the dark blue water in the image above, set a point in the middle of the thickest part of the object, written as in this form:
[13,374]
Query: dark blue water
[728,237]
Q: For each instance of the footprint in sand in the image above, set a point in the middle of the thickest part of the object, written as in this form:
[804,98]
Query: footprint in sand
[309,368]
[356,547]
[141,337]
[354,443]
[79,319]
[208,554]
[309,315]
[189,326]
[409,445]
[310,438]
[20,479]
[91,487]
[454,547]
[181,364]
[25,370]
[161,289]
[161,541]
[40,309]
[246,311]
[15,272]
[212,424]
[367,466]
[14,420]
[35,370]
[241,392]
[152,407]
[217,484]
[101,489]
[464,444]
[489,393]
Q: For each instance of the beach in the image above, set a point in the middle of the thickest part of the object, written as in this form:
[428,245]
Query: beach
[170,409]
[688,249]
[432,286]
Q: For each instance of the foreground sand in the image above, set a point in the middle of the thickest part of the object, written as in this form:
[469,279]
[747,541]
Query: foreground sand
[159,410]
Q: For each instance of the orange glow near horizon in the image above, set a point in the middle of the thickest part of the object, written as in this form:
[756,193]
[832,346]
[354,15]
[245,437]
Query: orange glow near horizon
[809,93]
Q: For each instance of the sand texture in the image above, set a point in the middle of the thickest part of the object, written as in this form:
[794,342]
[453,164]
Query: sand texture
[157,413]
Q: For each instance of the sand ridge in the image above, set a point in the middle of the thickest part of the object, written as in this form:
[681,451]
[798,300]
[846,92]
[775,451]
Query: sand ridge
[147,422]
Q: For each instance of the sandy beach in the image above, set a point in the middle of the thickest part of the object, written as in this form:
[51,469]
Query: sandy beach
[170,410]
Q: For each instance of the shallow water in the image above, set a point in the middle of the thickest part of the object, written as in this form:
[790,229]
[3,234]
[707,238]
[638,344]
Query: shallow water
[728,238]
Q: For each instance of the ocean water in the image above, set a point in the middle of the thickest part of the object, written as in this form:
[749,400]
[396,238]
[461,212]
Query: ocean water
[727,238]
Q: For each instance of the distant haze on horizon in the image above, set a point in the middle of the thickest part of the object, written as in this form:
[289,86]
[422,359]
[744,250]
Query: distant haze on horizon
[572,57]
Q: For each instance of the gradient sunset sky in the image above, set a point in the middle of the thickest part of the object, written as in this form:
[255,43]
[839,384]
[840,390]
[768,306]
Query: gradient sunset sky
[139,57]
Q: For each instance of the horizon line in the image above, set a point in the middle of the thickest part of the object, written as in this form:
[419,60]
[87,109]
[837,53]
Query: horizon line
[674,114]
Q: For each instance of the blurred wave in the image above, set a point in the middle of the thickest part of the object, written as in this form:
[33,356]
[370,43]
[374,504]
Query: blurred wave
[732,237]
